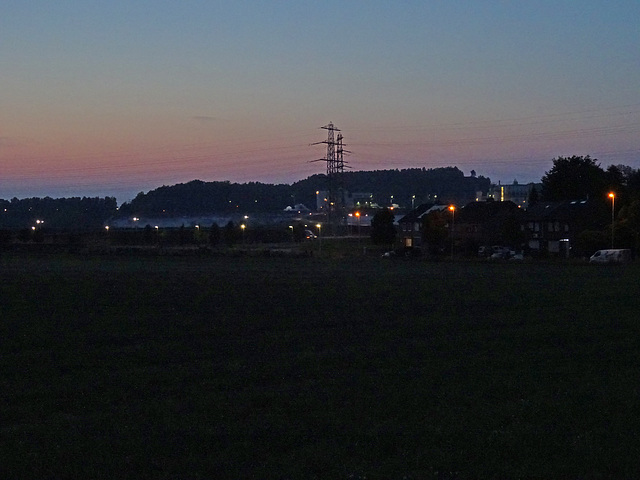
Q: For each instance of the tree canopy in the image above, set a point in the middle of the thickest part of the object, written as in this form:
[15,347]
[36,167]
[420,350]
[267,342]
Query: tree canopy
[383,232]
[59,213]
[574,178]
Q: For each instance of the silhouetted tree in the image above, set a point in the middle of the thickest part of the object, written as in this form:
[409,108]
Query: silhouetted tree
[633,184]
[434,231]
[574,178]
[230,234]
[629,219]
[214,234]
[534,196]
[383,231]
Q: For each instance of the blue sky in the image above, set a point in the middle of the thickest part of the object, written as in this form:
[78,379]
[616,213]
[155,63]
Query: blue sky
[113,98]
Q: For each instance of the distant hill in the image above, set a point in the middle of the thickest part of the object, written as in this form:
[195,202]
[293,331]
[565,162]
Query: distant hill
[197,197]
[447,184]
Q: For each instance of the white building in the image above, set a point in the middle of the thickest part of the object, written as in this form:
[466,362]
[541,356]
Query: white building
[514,192]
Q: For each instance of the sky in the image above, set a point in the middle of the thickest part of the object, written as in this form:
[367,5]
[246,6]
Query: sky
[114,98]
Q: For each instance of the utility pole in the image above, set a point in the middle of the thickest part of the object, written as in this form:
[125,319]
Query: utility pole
[335,168]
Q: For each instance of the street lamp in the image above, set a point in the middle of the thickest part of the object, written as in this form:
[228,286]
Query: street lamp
[242,227]
[612,196]
[319,238]
[358,217]
[452,209]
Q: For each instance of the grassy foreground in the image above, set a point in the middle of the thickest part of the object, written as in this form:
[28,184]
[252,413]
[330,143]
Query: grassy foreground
[305,368]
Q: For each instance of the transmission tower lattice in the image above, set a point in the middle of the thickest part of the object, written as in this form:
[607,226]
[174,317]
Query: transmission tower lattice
[335,168]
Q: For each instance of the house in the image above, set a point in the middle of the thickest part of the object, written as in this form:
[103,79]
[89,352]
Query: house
[487,223]
[411,224]
[553,227]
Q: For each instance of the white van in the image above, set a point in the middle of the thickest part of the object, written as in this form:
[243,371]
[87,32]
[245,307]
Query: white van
[618,255]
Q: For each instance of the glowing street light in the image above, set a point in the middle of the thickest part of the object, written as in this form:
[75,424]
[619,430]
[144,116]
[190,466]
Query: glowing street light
[452,209]
[242,227]
[612,196]
[319,238]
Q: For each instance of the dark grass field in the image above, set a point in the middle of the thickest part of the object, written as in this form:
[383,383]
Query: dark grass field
[310,368]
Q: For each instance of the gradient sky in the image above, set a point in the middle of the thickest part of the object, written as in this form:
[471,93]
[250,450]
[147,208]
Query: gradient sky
[117,97]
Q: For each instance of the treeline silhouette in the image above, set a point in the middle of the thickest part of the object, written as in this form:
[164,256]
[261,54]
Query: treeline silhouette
[406,187]
[198,197]
[448,184]
[73,213]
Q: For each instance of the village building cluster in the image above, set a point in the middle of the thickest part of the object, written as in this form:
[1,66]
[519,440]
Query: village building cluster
[504,217]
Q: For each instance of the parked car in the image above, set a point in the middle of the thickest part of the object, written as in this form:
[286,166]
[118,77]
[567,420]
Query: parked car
[498,252]
[618,255]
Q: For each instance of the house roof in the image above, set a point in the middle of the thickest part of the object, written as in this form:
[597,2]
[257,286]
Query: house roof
[559,210]
[480,212]
[583,211]
[417,213]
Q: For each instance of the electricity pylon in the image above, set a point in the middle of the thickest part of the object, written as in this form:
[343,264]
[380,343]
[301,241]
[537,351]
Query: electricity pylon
[335,168]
